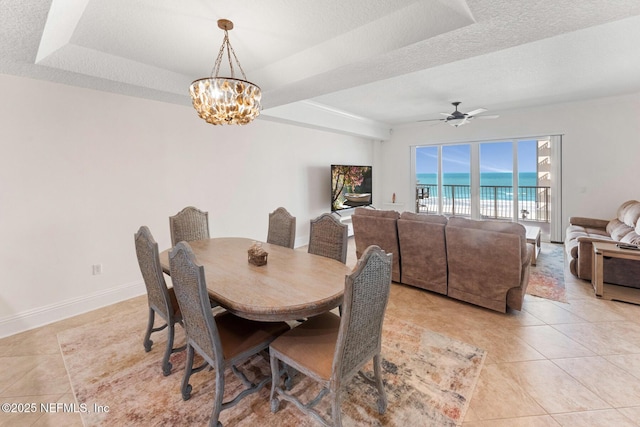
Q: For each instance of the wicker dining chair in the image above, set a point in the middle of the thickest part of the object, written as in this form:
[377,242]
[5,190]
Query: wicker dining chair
[162,300]
[188,225]
[328,237]
[223,341]
[282,228]
[332,349]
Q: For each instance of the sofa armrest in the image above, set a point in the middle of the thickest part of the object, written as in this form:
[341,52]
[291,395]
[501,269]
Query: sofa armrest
[526,260]
[589,222]
[585,241]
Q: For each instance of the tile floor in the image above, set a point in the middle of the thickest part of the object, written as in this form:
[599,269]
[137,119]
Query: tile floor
[552,364]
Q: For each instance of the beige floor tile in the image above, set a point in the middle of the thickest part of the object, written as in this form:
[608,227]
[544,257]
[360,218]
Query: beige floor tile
[627,362]
[28,410]
[604,418]
[629,311]
[631,413]
[501,344]
[498,395]
[67,415]
[628,330]
[595,310]
[551,313]
[578,290]
[49,377]
[552,388]
[602,338]
[538,421]
[471,415]
[609,382]
[12,368]
[36,341]
[551,343]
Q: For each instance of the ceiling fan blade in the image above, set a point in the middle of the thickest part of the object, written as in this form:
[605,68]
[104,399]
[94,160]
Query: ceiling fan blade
[478,111]
[446,114]
[463,122]
[432,120]
[495,116]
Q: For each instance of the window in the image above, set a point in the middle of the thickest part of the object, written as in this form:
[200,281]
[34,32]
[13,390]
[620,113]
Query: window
[513,180]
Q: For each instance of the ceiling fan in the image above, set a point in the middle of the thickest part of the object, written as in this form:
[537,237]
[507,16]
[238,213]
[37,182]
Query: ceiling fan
[458,118]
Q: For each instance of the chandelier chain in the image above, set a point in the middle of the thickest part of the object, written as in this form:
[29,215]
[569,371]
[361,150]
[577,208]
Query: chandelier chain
[216,67]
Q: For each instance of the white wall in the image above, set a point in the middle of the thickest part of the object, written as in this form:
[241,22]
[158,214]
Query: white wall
[82,170]
[600,150]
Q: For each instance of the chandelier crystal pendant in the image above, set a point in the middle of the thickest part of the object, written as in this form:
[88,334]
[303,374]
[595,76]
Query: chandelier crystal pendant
[226,100]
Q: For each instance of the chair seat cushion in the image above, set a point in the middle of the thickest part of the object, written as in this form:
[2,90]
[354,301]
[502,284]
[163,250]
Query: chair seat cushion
[238,335]
[312,345]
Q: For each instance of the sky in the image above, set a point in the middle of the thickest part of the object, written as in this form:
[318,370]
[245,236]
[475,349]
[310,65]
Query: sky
[494,157]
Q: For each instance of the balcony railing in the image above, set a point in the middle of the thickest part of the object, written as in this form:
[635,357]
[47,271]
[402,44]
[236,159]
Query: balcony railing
[496,202]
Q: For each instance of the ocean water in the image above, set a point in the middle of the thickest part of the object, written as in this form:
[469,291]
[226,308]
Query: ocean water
[487,179]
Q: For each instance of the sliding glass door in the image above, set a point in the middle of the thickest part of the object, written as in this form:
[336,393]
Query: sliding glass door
[497,180]
[513,180]
[456,180]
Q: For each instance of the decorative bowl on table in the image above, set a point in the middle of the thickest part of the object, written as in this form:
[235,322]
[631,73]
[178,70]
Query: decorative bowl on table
[257,255]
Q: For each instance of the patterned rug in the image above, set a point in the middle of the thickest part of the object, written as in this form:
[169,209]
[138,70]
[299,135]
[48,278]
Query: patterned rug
[547,277]
[429,379]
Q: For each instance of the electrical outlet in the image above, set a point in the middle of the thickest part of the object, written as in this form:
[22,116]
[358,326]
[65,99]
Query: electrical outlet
[97,269]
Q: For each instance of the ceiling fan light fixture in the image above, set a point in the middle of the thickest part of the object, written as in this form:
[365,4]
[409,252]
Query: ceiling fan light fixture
[226,100]
[456,122]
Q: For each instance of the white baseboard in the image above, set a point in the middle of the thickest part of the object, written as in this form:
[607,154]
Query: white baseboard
[41,316]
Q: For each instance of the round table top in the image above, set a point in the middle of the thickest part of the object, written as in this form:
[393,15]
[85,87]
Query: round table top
[292,285]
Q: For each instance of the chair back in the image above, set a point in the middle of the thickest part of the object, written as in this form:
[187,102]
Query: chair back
[282,228]
[149,262]
[191,292]
[328,237]
[188,225]
[365,300]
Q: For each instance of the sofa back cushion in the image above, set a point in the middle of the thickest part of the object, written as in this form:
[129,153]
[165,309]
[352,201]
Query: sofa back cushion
[626,223]
[377,213]
[496,226]
[436,219]
[423,251]
[377,227]
[631,214]
[618,229]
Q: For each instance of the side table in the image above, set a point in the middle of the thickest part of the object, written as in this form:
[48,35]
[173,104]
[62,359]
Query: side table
[533,237]
[609,291]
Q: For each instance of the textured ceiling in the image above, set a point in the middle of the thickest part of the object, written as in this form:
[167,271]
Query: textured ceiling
[392,61]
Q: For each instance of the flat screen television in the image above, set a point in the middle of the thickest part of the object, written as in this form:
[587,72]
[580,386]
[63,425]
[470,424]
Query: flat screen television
[351,186]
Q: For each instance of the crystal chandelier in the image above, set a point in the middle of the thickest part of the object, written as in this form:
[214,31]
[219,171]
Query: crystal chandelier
[226,100]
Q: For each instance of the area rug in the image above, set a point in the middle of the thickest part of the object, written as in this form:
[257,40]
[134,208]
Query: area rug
[546,279]
[429,379]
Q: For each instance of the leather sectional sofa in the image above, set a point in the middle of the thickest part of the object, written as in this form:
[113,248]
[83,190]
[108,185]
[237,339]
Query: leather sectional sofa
[583,231]
[485,263]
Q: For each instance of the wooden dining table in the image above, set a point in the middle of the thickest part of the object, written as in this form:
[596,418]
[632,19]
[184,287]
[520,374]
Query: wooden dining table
[292,285]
